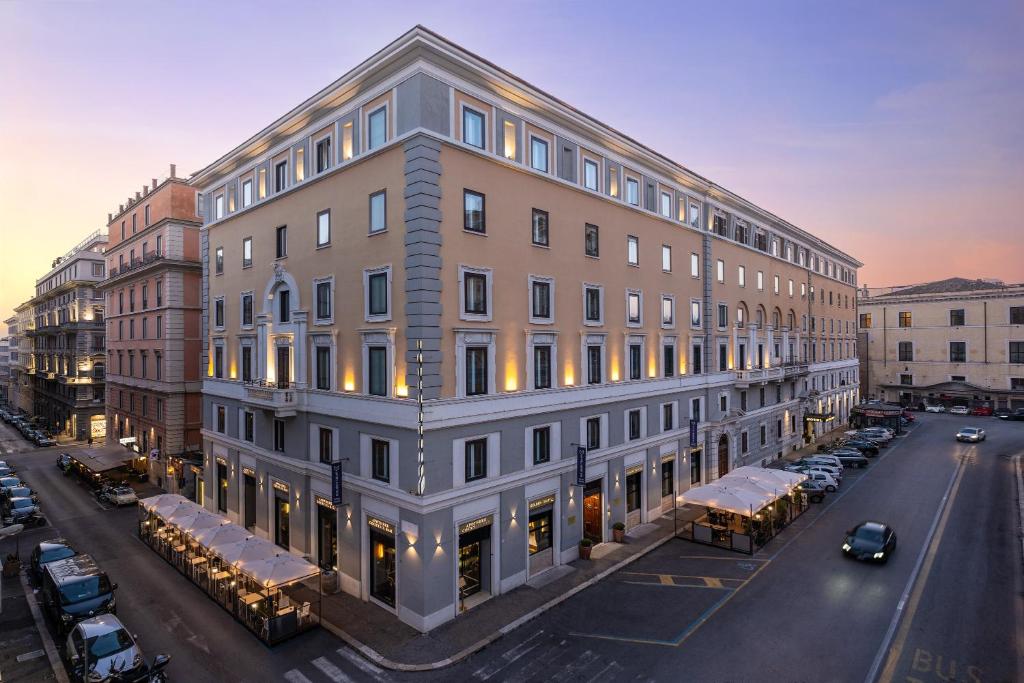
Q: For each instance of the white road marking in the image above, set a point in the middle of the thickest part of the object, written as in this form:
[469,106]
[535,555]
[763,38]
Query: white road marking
[600,675]
[295,676]
[328,669]
[363,665]
[35,654]
[510,657]
[576,665]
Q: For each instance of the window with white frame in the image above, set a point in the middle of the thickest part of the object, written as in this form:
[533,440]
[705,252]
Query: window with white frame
[666,205]
[475,458]
[590,173]
[246,308]
[634,308]
[323,367]
[218,207]
[694,313]
[542,299]
[473,127]
[475,362]
[543,443]
[791,288]
[668,357]
[539,228]
[594,431]
[635,356]
[669,418]
[323,154]
[324,300]
[741,275]
[218,313]
[720,270]
[280,176]
[247,432]
[775,284]
[668,311]
[632,250]
[378,211]
[475,289]
[694,215]
[246,192]
[377,285]
[694,265]
[594,358]
[760,281]
[538,154]
[323,228]
[593,305]
[541,358]
[378,351]
[377,128]
[473,212]
[635,426]
[666,258]
[378,459]
[632,191]
[246,252]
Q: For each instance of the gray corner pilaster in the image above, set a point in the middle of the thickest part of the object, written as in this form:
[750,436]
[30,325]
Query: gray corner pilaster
[423,261]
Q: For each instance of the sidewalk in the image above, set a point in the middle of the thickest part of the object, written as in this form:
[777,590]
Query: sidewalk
[383,639]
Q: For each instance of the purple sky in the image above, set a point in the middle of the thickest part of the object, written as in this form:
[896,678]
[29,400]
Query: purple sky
[892,130]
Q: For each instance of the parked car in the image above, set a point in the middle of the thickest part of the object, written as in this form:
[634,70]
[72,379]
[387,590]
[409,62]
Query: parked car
[836,473]
[75,589]
[982,411]
[49,551]
[959,410]
[824,477]
[935,409]
[9,481]
[101,649]
[877,435]
[8,493]
[852,459]
[872,541]
[974,434]
[825,459]
[868,448]
[63,461]
[44,440]
[24,511]
[1017,415]
[815,490]
[119,495]
[908,416]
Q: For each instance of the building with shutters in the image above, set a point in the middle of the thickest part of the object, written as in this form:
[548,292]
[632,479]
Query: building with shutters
[448,281]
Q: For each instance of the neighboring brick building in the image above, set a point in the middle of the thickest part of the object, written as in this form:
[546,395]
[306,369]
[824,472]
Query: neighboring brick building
[153,328]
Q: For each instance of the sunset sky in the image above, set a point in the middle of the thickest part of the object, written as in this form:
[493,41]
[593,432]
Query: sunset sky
[891,130]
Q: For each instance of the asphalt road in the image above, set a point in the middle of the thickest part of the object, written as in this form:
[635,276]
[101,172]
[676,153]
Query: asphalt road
[798,610]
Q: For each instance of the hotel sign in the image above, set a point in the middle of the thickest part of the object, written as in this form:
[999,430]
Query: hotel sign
[324,503]
[281,486]
[197,469]
[381,525]
[248,471]
[542,502]
[581,466]
[475,524]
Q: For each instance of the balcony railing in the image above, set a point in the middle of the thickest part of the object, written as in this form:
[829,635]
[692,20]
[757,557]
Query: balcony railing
[151,257]
[277,396]
[758,375]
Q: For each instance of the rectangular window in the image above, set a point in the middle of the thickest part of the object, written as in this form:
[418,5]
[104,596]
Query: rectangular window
[592,307]
[246,363]
[720,270]
[632,191]
[377,357]
[723,315]
[668,355]
[907,380]
[666,258]
[635,361]
[593,433]
[323,228]
[323,301]
[284,306]
[760,281]
[380,460]
[473,211]
[280,176]
[542,366]
[246,193]
[667,312]
[476,459]
[1017,315]
[956,317]
[1016,352]
[906,351]
[694,265]
[539,230]
[218,210]
[957,352]
[632,250]
[326,445]
[146,217]
[509,129]
[377,128]
[247,310]
[591,245]
[695,313]
[541,300]
[248,425]
[865,321]
[593,364]
[281,241]
[590,174]
[905,319]
[159,327]
[346,141]
[377,294]
[378,211]
[263,183]
[475,293]
[473,128]
[158,251]
[539,155]
[668,417]
[666,205]
[300,165]
[218,260]
[218,313]
[323,155]
[634,425]
[278,434]
[541,445]
[246,252]
[633,308]
[476,370]
[775,284]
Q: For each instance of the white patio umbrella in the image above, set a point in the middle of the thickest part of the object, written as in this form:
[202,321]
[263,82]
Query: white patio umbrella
[754,496]
[221,536]
[184,515]
[249,550]
[719,498]
[773,489]
[154,502]
[166,508]
[204,520]
[280,569]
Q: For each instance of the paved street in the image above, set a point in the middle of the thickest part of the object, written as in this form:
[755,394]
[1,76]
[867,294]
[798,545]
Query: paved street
[796,611]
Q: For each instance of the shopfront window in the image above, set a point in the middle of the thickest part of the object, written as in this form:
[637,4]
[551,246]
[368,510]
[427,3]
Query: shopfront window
[282,510]
[474,558]
[633,491]
[327,534]
[695,465]
[249,505]
[382,561]
[222,487]
[667,478]
[541,534]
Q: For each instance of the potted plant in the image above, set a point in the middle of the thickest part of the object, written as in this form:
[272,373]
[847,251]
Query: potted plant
[619,532]
[585,546]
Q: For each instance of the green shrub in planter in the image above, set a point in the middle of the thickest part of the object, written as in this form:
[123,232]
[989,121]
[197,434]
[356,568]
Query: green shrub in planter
[619,526]
[586,542]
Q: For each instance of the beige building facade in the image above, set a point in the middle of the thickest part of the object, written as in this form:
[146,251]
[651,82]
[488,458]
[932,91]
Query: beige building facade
[444,282]
[22,361]
[951,342]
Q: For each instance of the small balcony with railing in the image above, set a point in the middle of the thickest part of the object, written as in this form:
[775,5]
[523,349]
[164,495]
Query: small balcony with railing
[281,397]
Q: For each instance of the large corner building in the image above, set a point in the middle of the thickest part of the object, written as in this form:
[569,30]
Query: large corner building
[449,280]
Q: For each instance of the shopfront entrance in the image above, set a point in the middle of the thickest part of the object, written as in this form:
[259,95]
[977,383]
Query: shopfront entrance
[382,560]
[282,512]
[593,517]
[474,562]
[326,534]
[723,455]
[668,482]
[540,537]
[248,498]
[634,496]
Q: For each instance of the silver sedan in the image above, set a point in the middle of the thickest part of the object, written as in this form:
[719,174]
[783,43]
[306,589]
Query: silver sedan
[973,434]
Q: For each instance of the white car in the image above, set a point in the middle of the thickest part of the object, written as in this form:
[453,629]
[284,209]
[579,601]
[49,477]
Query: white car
[876,435]
[122,495]
[935,409]
[959,410]
[825,459]
[825,478]
[836,473]
[971,434]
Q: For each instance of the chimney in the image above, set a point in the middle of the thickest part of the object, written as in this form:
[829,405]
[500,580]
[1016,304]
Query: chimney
[154,184]
[145,190]
[172,171]
[110,217]
[120,208]
[137,196]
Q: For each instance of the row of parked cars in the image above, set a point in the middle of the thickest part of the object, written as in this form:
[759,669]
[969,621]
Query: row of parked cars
[979,411]
[78,597]
[824,469]
[19,504]
[38,436]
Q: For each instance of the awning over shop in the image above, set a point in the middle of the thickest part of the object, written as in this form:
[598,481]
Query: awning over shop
[103,459]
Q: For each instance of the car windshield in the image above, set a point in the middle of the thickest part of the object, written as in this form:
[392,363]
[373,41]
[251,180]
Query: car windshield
[109,643]
[61,553]
[969,430]
[22,503]
[84,589]
[867,533]
[123,490]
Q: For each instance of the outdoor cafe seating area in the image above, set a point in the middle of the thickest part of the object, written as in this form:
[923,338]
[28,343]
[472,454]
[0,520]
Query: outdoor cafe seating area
[262,585]
[745,508]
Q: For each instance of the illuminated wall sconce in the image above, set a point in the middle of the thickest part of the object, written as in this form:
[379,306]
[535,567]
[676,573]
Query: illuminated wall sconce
[402,390]
[570,378]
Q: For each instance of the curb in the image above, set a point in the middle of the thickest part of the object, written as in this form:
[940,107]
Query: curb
[1019,461]
[48,645]
[379,659]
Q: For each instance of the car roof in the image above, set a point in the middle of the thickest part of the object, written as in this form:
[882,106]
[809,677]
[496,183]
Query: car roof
[54,544]
[100,625]
[873,526]
[73,568]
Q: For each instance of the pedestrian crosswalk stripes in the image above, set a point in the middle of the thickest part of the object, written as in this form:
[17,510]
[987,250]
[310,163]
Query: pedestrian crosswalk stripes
[330,670]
